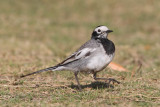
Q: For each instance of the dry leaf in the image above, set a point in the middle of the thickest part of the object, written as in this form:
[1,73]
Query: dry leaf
[116,67]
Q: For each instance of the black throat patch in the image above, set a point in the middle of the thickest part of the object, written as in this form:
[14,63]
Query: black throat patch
[108,45]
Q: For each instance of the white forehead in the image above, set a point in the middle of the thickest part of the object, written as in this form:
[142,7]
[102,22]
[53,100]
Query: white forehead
[102,28]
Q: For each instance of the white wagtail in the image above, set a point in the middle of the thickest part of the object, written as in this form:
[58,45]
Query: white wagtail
[91,57]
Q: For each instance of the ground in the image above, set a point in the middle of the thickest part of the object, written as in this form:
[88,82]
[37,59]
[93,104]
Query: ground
[41,33]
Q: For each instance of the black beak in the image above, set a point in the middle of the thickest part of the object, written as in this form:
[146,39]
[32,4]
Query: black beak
[109,31]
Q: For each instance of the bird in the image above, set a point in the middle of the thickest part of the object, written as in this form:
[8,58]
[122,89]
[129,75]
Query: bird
[91,58]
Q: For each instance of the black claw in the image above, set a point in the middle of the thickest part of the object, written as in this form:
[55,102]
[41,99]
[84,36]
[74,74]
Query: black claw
[113,80]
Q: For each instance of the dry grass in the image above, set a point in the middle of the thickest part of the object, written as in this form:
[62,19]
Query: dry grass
[38,34]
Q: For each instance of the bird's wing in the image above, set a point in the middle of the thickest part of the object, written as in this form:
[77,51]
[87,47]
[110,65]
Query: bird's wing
[85,52]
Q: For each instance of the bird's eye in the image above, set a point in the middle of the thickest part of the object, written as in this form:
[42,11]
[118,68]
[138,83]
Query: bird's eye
[99,30]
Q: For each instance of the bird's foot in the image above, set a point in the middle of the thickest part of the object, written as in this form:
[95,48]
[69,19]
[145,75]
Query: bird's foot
[112,80]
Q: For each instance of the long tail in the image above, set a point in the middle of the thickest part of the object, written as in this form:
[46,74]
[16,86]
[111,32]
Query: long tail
[43,70]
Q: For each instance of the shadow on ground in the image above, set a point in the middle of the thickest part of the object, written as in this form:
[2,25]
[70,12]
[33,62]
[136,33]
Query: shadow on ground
[93,85]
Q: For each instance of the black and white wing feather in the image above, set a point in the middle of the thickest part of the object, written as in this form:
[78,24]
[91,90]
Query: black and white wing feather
[85,52]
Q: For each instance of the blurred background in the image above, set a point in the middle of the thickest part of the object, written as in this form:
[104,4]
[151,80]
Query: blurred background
[35,34]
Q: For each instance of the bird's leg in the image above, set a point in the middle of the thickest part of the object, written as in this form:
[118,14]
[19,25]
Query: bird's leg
[79,86]
[109,79]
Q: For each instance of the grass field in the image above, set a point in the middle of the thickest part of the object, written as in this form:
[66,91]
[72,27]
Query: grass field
[35,34]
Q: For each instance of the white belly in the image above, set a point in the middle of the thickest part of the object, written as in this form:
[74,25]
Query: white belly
[99,62]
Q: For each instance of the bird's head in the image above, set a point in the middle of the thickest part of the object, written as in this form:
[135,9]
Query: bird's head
[101,32]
